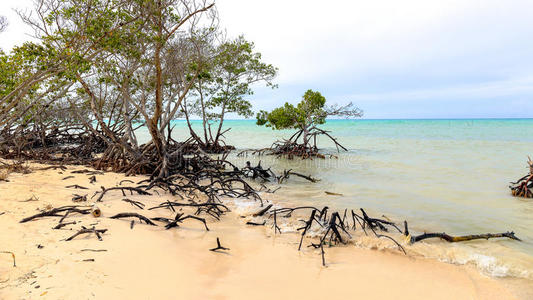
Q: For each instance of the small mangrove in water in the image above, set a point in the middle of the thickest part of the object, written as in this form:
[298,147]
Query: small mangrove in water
[523,187]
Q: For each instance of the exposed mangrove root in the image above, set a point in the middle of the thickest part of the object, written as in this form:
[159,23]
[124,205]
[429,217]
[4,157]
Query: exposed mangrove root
[275,225]
[55,212]
[336,230]
[213,209]
[133,215]
[61,225]
[137,204]
[306,227]
[257,171]
[267,190]
[322,253]
[286,175]
[180,218]
[218,247]
[523,187]
[84,230]
[302,144]
[378,223]
[122,189]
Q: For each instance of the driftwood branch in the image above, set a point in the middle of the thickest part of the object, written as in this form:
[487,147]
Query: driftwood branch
[55,212]
[133,215]
[84,230]
[137,204]
[455,239]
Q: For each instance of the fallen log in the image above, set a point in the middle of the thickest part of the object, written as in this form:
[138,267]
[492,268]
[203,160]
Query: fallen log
[455,239]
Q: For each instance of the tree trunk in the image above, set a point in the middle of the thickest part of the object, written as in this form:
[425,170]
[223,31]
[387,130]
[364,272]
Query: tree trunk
[204,122]
[221,122]
[154,122]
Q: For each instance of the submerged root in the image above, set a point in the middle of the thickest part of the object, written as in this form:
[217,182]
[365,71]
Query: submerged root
[294,147]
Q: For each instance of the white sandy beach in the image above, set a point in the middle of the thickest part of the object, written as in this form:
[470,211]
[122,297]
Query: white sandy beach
[149,262]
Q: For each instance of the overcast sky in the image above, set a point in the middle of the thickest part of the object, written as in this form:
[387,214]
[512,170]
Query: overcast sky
[393,59]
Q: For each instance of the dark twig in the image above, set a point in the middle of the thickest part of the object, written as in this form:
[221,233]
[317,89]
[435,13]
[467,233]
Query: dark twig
[75,186]
[255,224]
[13,256]
[218,247]
[134,203]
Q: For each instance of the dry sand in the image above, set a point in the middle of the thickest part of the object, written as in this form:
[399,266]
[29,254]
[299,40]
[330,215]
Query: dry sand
[149,262]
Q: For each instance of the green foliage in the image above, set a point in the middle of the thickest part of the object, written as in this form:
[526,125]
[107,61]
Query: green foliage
[23,62]
[226,74]
[234,69]
[309,111]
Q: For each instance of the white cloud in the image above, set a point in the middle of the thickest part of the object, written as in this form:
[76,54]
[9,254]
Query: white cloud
[381,50]
[495,89]
[310,40]
[17,32]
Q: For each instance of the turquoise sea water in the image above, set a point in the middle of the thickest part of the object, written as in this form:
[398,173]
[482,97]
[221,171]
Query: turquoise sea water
[440,175]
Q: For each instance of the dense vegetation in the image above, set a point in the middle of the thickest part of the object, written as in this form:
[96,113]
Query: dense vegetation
[100,69]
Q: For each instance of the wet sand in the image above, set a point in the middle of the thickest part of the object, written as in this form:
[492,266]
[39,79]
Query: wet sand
[149,262]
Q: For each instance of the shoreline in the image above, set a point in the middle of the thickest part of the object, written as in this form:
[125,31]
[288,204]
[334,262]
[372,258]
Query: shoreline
[150,262]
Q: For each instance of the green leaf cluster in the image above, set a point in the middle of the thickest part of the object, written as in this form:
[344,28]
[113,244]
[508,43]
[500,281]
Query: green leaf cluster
[309,111]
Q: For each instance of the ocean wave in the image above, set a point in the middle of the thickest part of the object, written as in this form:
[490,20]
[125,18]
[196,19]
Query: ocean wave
[458,254]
